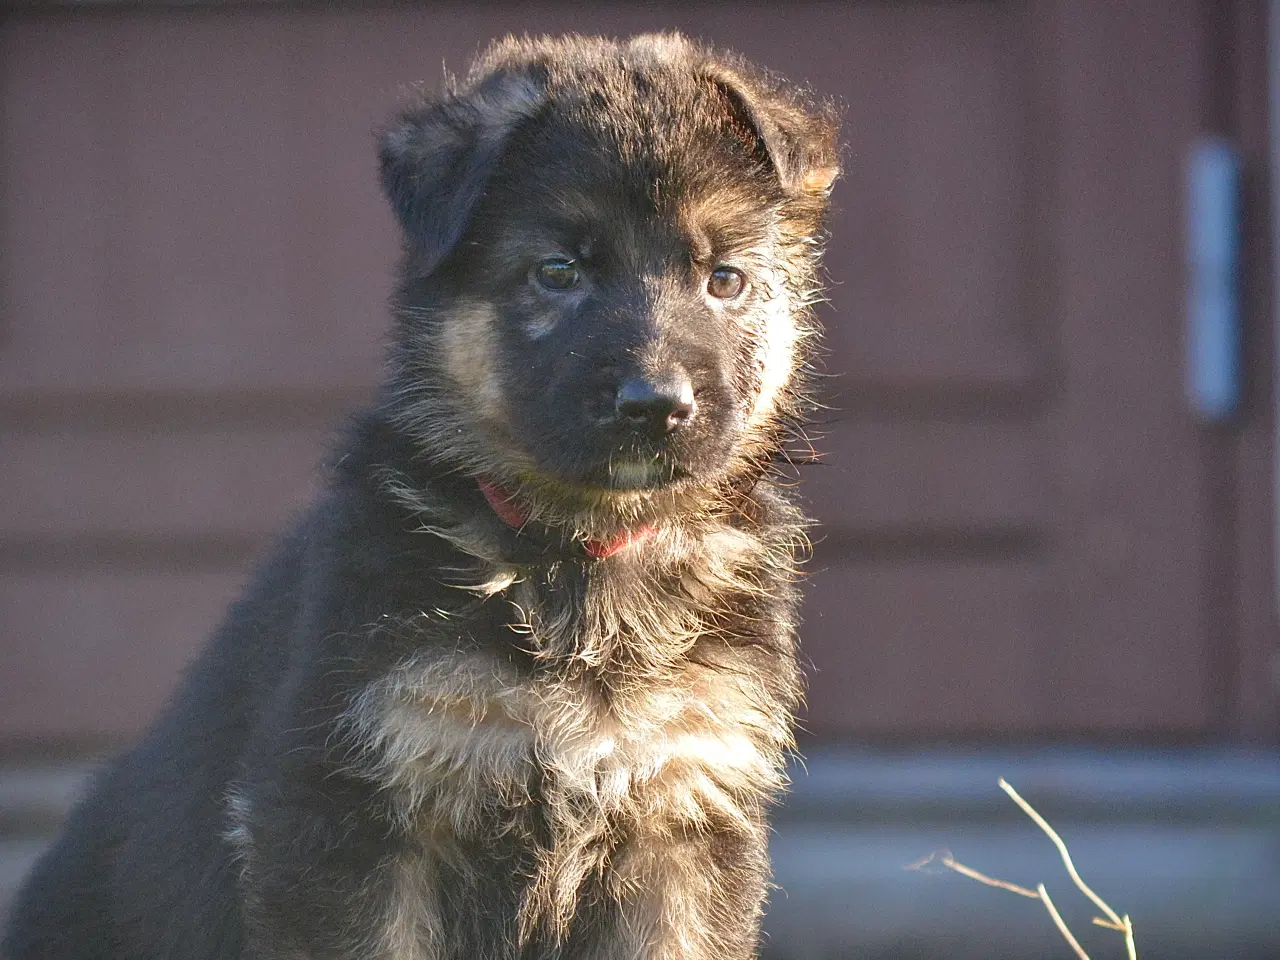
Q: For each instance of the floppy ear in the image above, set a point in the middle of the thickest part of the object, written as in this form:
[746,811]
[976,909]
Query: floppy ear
[437,156]
[796,139]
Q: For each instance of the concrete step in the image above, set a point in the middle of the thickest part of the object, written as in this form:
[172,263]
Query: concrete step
[1187,842]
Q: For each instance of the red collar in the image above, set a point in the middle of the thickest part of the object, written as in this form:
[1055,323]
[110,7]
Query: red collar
[515,516]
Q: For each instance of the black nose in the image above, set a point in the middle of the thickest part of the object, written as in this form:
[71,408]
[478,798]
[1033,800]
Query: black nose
[658,406]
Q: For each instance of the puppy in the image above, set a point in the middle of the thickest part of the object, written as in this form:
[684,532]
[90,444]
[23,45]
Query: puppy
[519,685]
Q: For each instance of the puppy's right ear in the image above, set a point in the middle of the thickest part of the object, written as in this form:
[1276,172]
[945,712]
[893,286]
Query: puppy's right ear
[437,156]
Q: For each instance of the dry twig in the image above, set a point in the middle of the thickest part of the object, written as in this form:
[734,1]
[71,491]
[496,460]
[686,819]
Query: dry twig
[1113,921]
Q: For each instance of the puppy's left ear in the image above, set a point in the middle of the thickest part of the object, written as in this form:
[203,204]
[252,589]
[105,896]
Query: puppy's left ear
[796,138]
[437,156]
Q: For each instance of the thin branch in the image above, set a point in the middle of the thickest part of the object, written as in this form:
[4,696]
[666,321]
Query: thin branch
[1129,945]
[949,861]
[961,869]
[1061,924]
[1122,924]
[1112,922]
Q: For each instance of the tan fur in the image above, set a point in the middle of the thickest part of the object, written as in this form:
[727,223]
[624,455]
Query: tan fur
[455,363]
[667,921]
[467,351]
[446,730]
[411,931]
[776,343]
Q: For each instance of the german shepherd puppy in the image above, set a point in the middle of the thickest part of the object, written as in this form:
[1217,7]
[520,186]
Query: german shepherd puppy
[520,684]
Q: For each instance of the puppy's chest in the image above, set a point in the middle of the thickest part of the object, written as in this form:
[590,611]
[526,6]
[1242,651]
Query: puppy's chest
[676,752]
[463,735]
[686,754]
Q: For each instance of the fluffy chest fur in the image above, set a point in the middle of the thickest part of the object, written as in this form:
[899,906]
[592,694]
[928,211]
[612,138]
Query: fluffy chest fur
[649,702]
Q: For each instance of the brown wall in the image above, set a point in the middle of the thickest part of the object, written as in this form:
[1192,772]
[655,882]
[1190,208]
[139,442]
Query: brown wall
[1025,532]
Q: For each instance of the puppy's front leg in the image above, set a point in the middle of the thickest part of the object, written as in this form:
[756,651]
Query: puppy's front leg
[318,881]
[696,897]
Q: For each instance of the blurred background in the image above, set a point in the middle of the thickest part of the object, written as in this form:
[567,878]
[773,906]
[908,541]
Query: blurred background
[1043,554]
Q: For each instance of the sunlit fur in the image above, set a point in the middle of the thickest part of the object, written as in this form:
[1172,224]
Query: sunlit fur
[425,734]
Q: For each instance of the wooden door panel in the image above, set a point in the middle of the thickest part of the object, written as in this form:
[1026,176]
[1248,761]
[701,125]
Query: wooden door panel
[1136,619]
[912,647]
[929,282]
[882,475]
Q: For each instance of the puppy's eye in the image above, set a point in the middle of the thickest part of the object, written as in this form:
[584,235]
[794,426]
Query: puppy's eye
[725,283]
[557,274]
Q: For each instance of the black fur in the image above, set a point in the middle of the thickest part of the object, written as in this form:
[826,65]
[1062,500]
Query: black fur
[425,733]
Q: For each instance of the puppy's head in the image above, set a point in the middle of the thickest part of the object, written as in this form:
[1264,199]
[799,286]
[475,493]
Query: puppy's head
[610,252]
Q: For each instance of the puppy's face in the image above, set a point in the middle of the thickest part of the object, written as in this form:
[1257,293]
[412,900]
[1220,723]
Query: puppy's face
[624,303]
[620,313]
